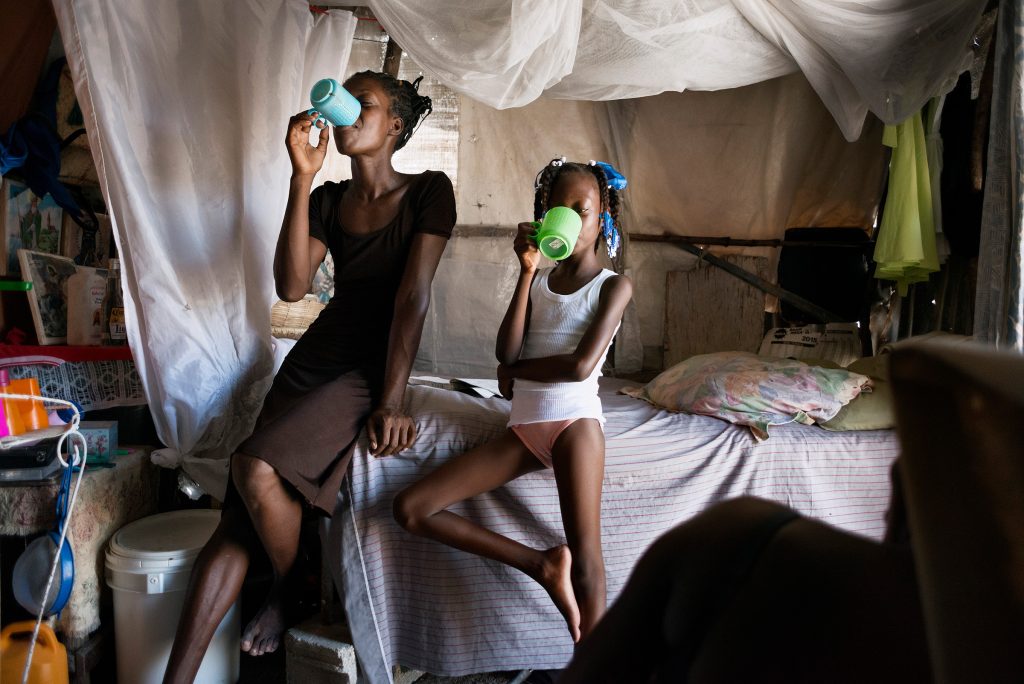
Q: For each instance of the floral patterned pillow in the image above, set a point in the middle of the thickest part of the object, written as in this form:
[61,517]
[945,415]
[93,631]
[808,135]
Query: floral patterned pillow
[751,390]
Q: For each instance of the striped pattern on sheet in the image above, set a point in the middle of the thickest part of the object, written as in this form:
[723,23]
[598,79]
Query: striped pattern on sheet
[429,607]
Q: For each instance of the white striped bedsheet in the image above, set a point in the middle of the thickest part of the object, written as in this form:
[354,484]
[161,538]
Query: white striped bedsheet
[426,606]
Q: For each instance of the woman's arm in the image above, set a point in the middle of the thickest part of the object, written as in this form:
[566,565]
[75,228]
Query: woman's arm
[513,328]
[389,428]
[298,255]
[577,366]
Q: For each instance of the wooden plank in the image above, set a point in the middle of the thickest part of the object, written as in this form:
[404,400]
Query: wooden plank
[392,58]
[708,310]
[741,242]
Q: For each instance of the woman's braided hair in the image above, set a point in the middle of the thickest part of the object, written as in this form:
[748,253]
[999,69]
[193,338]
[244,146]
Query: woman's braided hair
[406,102]
[549,175]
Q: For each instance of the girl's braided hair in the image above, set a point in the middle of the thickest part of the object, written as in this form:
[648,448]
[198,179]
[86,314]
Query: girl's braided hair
[406,102]
[549,175]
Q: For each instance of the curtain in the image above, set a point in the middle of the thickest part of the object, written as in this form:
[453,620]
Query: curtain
[186,106]
[999,298]
[884,56]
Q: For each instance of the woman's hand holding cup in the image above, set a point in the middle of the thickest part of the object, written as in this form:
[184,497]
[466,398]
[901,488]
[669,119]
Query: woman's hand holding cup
[306,159]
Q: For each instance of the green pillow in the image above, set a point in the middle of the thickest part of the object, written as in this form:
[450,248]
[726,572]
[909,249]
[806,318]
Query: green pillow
[870,410]
[823,363]
[875,367]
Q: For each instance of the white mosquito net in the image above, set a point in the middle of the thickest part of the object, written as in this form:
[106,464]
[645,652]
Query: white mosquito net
[884,56]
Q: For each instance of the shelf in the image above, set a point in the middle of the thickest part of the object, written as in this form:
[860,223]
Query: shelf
[49,432]
[62,352]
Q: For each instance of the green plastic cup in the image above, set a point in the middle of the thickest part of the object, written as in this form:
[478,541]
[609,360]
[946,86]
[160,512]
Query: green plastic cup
[557,232]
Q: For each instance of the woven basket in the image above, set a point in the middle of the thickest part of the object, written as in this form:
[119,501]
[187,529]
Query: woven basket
[290,319]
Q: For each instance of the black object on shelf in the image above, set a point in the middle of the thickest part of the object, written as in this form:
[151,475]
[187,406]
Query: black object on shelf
[30,463]
[134,423]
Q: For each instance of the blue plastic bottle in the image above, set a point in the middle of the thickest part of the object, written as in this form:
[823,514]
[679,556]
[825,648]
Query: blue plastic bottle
[333,104]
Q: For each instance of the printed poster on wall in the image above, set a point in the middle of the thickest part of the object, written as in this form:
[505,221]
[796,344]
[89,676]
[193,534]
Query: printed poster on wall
[29,222]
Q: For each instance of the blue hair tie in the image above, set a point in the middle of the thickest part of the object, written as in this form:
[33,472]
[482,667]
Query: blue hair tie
[616,181]
[610,234]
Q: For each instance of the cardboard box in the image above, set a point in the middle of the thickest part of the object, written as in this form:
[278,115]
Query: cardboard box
[101,439]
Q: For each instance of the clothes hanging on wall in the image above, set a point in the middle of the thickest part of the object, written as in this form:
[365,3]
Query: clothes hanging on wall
[905,246]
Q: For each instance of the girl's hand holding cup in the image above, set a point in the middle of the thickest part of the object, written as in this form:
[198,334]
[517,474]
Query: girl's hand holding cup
[526,247]
[306,159]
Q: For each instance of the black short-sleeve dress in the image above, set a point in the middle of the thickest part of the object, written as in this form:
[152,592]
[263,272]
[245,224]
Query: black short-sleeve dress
[328,383]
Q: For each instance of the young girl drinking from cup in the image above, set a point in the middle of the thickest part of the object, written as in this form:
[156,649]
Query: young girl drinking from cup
[551,346]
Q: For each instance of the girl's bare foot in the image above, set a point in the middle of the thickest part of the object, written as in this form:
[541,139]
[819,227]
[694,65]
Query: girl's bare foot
[263,633]
[555,577]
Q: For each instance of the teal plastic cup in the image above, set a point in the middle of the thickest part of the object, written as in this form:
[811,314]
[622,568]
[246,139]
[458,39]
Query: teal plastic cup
[333,104]
[557,232]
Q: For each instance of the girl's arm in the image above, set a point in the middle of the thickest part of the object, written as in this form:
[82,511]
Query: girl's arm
[577,366]
[298,255]
[513,328]
[389,428]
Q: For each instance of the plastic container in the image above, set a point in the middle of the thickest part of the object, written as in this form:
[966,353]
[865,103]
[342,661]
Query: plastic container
[33,413]
[49,659]
[9,410]
[148,566]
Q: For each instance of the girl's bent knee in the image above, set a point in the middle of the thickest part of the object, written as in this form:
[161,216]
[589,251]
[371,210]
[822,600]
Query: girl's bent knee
[407,513]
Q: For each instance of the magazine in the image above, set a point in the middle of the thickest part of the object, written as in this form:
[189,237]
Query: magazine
[48,297]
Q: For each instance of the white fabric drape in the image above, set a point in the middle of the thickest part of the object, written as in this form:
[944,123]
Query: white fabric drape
[186,105]
[884,56]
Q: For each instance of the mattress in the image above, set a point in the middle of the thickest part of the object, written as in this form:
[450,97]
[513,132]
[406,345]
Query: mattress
[423,605]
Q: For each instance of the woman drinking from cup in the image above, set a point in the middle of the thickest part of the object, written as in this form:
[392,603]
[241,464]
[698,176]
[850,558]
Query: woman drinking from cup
[386,232]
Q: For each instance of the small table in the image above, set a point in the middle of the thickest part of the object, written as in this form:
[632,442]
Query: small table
[108,499]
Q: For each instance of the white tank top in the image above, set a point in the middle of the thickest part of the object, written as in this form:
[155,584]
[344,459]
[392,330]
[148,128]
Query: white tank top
[557,324]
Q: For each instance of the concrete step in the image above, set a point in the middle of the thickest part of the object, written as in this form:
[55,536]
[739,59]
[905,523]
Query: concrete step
[318,653]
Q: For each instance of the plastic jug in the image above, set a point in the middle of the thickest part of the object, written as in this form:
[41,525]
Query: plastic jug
[49,659]
[332,103]
[557,233]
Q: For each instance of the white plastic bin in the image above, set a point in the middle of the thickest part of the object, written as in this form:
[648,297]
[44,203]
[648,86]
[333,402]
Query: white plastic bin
[148,566]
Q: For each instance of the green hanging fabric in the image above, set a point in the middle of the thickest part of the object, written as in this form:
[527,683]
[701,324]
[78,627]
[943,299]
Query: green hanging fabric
[905,245]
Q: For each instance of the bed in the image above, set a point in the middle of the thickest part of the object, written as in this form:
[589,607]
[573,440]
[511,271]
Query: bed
[425,606]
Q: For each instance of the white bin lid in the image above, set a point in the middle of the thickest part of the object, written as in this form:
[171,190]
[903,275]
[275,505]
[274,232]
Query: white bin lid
[162,541]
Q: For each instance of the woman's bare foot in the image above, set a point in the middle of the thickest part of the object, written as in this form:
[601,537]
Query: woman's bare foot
[263,633]
[555,577]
